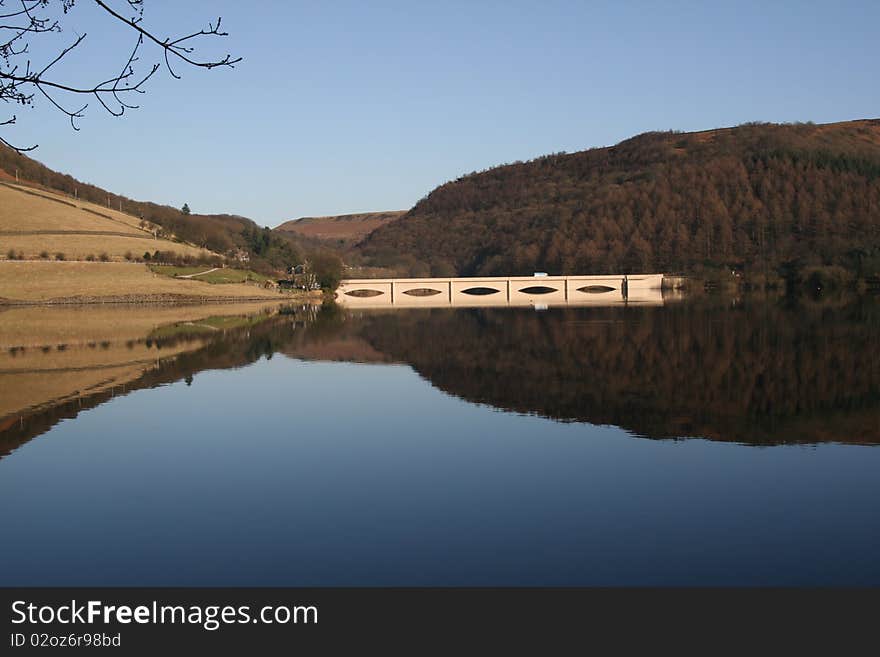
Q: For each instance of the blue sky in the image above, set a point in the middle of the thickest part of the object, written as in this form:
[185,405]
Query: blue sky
[354,106]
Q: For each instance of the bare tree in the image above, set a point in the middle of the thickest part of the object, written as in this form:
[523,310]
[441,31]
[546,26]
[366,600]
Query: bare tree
[23,22]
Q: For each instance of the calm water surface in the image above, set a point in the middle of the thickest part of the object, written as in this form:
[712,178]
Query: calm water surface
[712,443]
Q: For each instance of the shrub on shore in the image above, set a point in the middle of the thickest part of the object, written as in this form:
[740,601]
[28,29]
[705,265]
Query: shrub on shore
[177,260]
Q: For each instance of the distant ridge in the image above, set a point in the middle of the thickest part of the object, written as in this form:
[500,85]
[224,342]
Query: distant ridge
[349,228]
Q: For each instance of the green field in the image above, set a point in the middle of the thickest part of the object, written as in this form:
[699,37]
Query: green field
[219,276]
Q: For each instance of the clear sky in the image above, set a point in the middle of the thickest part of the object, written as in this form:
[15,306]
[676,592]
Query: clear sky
[355,106]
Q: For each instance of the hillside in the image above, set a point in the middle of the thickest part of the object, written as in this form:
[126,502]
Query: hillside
[767,200]
[340,230]
[228,235]
[57,249]
[37,223]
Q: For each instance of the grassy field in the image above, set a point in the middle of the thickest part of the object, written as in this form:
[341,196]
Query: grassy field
[38,326]
[218,276]
[80,247]
[21,211]
[39,196]
[35,223]
[45,281]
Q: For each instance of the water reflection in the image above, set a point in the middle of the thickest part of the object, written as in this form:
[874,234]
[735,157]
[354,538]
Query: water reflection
[751,372]
[57,362]
[754,372]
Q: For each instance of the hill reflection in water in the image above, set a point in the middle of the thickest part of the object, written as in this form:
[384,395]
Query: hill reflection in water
[749,371]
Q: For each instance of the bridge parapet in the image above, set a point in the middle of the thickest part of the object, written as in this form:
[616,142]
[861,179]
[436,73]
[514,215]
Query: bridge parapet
[501,290]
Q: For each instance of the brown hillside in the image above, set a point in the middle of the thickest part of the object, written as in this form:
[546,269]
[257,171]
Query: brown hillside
[34,222]
[228,235]
[765,199]
[350,228]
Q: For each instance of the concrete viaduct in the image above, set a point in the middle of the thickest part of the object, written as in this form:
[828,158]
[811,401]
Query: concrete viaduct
[502,290]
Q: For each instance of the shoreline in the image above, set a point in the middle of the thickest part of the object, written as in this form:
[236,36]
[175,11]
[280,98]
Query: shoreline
[158,299]
[28,283]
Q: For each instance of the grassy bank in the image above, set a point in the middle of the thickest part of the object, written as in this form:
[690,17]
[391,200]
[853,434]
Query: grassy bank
[102,282]
[37,325]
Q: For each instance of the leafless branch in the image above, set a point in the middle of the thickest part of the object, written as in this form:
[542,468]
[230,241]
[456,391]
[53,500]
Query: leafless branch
[11,121]
[24,20]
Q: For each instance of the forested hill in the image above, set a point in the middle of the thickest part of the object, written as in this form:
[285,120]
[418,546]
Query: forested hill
[758,198]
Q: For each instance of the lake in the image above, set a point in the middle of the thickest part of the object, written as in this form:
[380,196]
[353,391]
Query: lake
[714,441]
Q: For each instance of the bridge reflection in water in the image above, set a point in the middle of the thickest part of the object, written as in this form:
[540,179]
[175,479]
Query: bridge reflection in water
[502,291]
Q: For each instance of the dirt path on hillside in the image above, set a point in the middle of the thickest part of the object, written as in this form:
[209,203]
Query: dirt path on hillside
[207,271]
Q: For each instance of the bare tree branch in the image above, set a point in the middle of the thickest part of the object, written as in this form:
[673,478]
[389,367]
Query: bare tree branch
[11,121]
[24,20]
[173,47]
